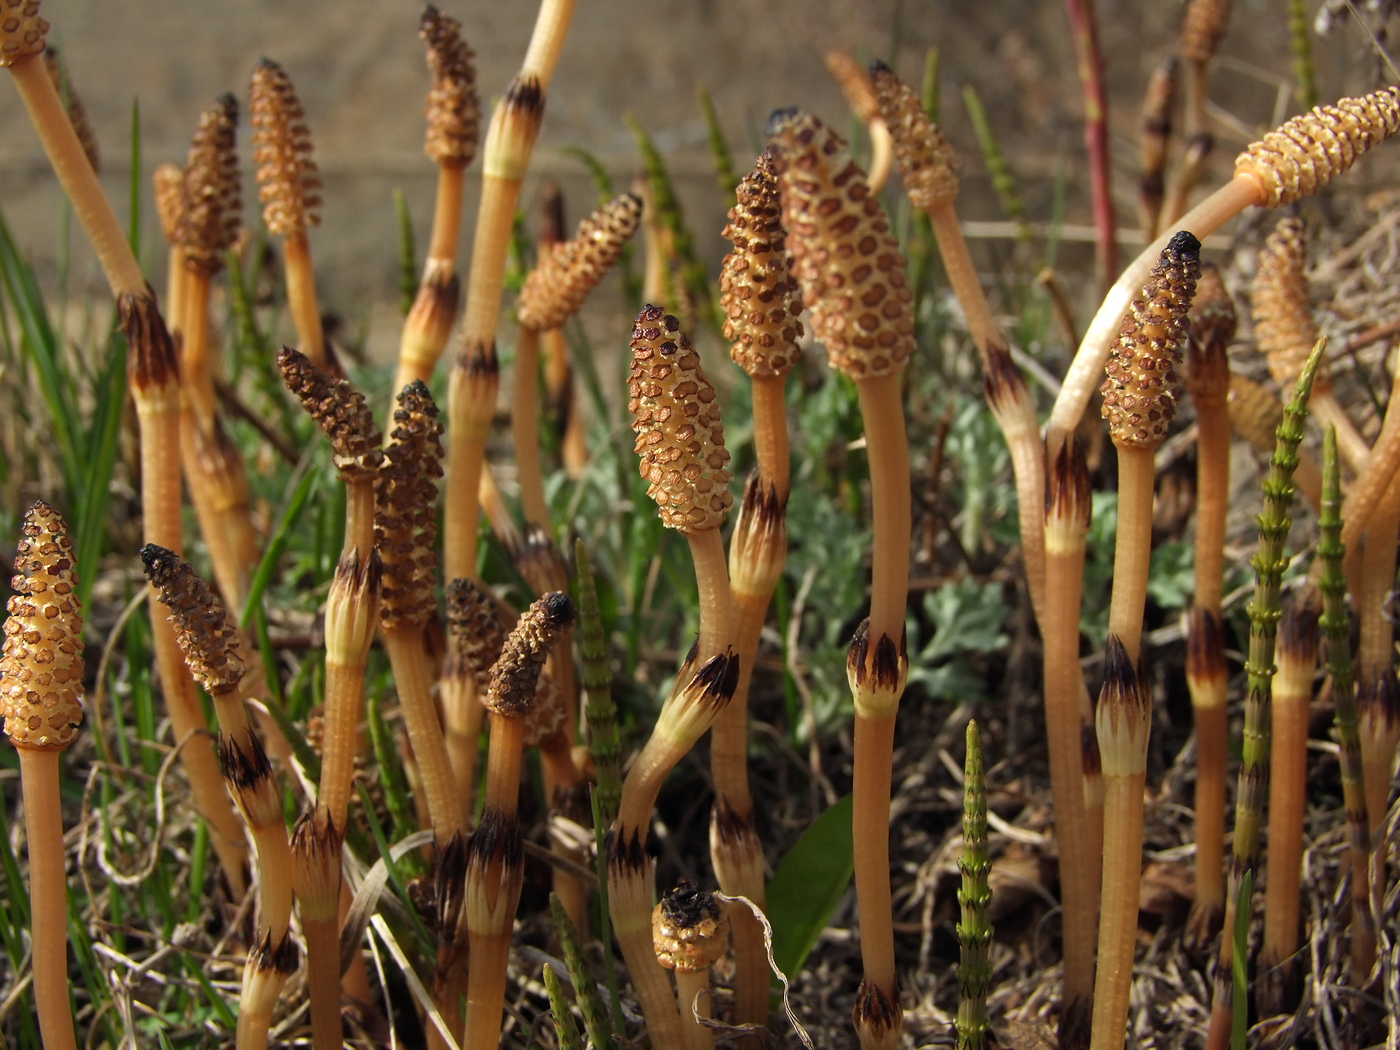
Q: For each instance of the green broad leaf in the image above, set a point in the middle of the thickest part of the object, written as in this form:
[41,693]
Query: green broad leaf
[808,885]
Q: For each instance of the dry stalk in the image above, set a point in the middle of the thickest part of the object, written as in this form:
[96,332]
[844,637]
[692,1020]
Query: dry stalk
[855,85]
[1202,28]
[1155,139]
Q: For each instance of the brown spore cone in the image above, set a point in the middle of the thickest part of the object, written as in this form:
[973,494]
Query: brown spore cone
[41,668]
[288,183]
[202,628]
[453,108]
[675,416]
[405,518]
[927,162]
[1139,395]
[759,293]
[211,195]
[847,261]
[555,290]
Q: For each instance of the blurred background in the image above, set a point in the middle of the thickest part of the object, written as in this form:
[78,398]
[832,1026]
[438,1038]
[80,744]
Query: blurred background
[359,68]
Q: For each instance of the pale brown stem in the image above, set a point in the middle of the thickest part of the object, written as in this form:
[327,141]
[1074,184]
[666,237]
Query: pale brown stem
[1086,370]
[1192,162]
[1288,757]
[1212,500]
[301,297]
[524,427]
[48,896]
[1064,685]
[770,436]
[1122,875]
[547,40]
[196,368]
[343,693]
[870,787]
[75,175]
[887,449]
[629,902]
[573,445]
[447,211]
[1023,435]
[712,581]
[175,285]
[414,681]
[158,414]
[474,382]
[692,992]
[1132,547]
[729,762]
[490,942]
[462,715]
[1208,707]
[1350,444]
[323,978]
[1375,649]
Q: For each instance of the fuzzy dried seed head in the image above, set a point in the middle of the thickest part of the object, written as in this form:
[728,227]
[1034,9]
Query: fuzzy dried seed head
[1202,28]
[211,199]
[1213,323]
[168,183]
[202,628]
[675,416]
[556,288]
[453,108]
[77,112]
[477,626]
[847,261]
[21,30]
[515,675]
[1311,150]
[927,162]
[41,670]
[339,410]
[1139,395]
[1283,319]
[758,290]
[288,185]
[689,929]
[405,517]
[1255,413]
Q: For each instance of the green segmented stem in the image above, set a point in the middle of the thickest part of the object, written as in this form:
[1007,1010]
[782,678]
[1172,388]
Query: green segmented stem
[668,208]
[974,931]
[1300,43]
[1336,626]
[1264,611]
[595,1017]
[1003,182]
[565,1027]
[601,713]
[725,174]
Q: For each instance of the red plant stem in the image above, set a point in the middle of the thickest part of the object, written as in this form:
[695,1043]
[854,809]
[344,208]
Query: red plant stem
[1084,27]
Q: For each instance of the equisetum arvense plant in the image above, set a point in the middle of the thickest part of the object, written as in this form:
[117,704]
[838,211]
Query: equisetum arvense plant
[1264,611]
[210,646]
[853,282]
[290,188]
[690,932]
[761,301]
[1202,27]
[1139,401]
[453,114]
[41,701]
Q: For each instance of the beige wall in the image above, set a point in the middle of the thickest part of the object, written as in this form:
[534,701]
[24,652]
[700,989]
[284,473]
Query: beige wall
[359,68]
